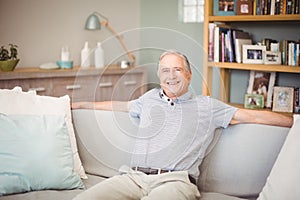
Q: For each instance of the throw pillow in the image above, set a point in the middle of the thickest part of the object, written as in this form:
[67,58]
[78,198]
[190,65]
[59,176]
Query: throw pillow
[35,154]
[283,181]
[23,103]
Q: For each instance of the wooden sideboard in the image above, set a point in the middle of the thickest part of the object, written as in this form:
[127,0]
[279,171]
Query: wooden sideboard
[81,84]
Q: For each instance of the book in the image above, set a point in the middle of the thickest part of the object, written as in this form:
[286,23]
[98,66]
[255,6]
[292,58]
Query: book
[289,7]
[297,100]
[211,30]
[278,6]
[267,42]
[258,7]
[239,48]
[216,44]
[230,47]
[240,38]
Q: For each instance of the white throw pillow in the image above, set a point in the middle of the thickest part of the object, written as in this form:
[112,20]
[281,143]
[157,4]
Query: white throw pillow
[16,102]
[283,181]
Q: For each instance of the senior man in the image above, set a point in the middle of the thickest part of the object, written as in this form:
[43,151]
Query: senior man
[175,129]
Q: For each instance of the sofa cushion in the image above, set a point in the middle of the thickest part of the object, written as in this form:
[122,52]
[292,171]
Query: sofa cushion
[283,181]
[35,154]
[241,160]
[27,103]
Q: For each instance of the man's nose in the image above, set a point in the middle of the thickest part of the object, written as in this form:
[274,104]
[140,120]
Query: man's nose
[172,74]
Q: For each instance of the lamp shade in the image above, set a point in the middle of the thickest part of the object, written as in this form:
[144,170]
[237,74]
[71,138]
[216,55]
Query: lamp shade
[92,22]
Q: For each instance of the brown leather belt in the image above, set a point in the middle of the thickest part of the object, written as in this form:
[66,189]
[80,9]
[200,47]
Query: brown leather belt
[150,171]
[155,171]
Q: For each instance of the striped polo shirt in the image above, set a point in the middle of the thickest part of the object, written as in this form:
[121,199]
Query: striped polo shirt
[174,134]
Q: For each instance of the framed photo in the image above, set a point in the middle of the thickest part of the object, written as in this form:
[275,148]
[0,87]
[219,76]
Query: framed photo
[262,83]
[244,7]
[272,58]
[253,54]
[224,7]
[283,100]
[254,101]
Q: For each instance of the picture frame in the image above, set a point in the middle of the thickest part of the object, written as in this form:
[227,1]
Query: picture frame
[283,99]
[261,82]
[254,101]
[225,7]
[244,7]
[253,54]
[272,58]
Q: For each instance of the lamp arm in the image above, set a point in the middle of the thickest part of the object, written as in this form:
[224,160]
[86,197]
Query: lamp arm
[130,55]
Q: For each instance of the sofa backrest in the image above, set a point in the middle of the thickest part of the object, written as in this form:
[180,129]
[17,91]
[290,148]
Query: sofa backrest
[242,159]
[105,140]
[237,165]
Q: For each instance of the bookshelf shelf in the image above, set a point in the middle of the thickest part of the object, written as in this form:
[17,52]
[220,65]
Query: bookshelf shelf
[225,68]
[272,68]
[252,18]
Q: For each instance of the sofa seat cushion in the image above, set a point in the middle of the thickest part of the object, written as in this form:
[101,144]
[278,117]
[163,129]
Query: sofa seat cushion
[55,194]
[217,196]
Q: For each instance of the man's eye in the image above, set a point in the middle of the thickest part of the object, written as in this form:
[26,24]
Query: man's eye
[165,70]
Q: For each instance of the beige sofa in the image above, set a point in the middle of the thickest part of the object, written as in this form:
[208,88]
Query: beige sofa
[237,166]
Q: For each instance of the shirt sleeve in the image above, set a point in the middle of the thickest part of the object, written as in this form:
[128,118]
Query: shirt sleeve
[222,113]
[135,108]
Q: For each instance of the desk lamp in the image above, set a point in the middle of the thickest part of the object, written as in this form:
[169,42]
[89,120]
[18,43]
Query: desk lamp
[93,23]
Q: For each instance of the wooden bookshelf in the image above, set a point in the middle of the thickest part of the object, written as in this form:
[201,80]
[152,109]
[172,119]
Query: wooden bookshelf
[226,67]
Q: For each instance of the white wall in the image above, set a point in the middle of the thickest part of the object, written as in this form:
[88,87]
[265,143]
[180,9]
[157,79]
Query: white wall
[41,27]
[168,32]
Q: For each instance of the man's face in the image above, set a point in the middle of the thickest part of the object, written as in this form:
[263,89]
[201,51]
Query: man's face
[174,77]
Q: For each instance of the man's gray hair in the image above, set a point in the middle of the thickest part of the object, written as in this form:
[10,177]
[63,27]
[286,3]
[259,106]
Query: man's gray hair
[173,52]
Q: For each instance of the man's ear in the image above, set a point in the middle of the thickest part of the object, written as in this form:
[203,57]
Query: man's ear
[189,75]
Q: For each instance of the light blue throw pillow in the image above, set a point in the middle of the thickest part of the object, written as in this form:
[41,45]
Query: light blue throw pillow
[35,154]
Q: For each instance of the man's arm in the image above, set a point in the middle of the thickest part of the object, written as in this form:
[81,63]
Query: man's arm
[122,106]
[261,117]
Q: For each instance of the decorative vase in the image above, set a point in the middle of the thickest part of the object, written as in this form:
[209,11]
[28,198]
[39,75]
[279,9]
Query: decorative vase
[8,65]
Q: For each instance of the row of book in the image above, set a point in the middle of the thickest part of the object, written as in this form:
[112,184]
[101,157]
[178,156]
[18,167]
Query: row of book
[290,52]
[276,7]
[225,44]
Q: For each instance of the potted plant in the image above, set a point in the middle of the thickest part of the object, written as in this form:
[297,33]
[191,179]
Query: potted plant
[9,58]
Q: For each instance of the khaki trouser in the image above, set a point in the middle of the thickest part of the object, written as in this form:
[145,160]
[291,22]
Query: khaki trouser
[137,185]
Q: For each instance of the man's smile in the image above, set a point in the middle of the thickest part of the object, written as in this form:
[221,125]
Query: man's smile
[173,82]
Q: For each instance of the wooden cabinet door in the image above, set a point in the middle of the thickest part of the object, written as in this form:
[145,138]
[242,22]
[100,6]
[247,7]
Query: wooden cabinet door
[10,84]
[105,86]
[128,87]
[78,88]
[42,86]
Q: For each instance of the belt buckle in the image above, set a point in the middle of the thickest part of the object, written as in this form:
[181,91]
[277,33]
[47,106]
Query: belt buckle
[157,170]
[149,170]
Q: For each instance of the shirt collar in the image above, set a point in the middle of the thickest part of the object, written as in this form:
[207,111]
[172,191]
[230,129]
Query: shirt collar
[186,96]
